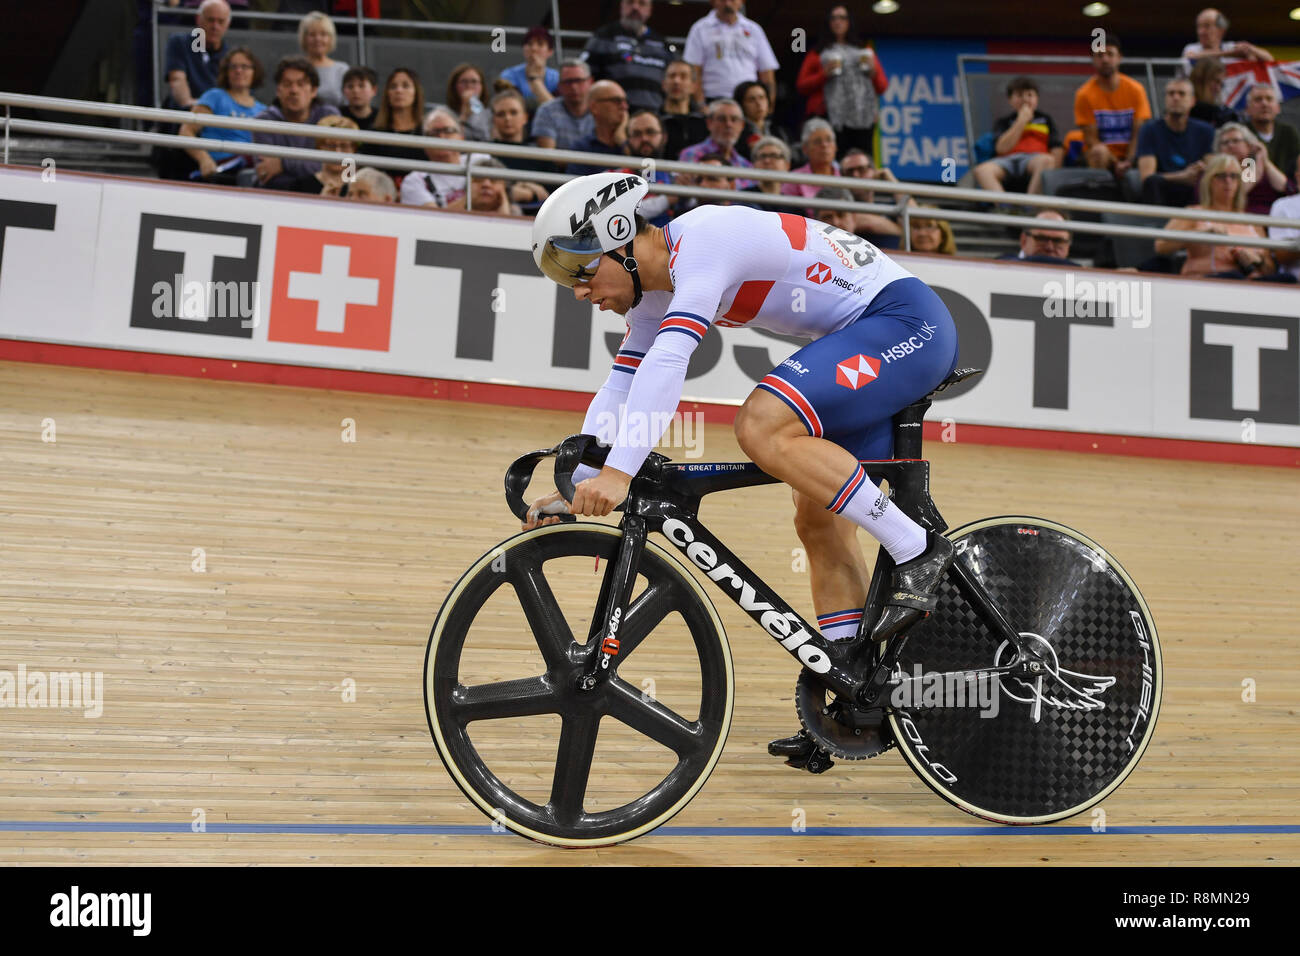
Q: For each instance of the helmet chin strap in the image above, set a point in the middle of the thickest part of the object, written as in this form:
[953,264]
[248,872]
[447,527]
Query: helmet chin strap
[629,263]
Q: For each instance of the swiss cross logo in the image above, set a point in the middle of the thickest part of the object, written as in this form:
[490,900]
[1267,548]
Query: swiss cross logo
[332,288]
[857,371]
[819,272]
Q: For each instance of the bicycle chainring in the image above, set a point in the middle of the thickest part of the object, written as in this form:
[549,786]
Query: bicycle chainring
[847,732]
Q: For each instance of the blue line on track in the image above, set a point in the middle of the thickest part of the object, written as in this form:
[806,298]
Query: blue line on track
[383,829]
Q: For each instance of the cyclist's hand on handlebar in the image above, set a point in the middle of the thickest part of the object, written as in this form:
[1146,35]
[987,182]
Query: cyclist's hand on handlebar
[600,495]
[544,509]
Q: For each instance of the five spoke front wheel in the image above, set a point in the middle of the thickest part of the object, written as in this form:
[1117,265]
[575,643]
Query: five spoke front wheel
[524,742]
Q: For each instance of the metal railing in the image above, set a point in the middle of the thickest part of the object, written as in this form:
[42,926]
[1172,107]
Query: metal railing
[904,192]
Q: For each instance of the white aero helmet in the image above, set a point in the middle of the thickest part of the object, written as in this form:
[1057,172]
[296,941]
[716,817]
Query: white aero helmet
[584,219]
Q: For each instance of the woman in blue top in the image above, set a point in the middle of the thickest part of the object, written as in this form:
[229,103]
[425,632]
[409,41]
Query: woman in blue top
[239,74]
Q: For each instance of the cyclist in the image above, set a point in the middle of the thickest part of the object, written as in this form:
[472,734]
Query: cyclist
[881,340]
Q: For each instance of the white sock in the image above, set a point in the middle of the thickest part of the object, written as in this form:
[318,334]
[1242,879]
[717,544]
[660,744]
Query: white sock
[841,625]
[863,503]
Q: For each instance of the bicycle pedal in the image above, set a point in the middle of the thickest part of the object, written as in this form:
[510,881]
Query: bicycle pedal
[817,761]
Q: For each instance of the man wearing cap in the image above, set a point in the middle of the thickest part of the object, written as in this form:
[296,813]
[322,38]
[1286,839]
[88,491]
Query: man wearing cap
[533,78]
[632,55]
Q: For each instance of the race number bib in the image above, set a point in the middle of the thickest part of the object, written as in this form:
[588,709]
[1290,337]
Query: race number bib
[853,251]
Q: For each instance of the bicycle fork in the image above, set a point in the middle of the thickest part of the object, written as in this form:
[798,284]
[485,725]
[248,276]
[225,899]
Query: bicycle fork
[612,604]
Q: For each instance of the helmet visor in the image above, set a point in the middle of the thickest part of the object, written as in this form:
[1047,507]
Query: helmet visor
[570,260]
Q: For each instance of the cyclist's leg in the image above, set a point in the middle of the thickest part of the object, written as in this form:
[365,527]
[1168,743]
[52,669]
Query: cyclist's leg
[837,569]
[811,419]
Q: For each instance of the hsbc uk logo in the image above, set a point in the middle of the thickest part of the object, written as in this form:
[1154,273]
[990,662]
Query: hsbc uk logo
[913,343]
[857,371]
[818,272]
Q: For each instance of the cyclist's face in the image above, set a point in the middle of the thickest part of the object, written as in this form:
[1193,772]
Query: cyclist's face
[610,288]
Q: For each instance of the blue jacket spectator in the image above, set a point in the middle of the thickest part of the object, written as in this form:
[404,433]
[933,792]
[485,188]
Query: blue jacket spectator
[190,59]
[239,75]
[1171,149]
[533,78]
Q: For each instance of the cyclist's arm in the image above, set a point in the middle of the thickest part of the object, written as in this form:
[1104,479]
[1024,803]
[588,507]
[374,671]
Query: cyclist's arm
[604,414]
[657,387]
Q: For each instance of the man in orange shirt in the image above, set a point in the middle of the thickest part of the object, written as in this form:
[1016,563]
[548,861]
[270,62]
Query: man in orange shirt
[1110,109]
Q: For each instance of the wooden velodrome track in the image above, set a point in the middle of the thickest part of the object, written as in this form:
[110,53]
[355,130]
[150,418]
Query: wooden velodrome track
[326,562]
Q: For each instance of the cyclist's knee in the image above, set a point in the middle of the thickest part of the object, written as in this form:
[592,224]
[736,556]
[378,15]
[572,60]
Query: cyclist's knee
[763,425]
[752,433]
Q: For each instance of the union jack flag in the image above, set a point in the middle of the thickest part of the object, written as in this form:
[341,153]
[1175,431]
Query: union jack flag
[1241,76]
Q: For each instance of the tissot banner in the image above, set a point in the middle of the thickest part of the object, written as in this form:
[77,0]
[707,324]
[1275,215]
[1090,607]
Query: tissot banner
[263,277]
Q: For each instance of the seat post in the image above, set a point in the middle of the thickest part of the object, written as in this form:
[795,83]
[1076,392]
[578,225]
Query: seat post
[907,429]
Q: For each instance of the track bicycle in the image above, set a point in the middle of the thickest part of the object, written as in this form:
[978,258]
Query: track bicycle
[1027,696]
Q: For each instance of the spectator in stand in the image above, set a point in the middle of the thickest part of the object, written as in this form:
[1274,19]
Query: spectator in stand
[818,142]
[1282,139]
[318,38]
[510,126]
[879,230]
[439,190]
[400,111]
[683,123]
[1211,25]
[1172,149]
[843,81]
[359,87]
[295,101]
[1043,243]
[371,185]
[1028,142]
[725,124]
[632,55]
[771,154]
[1288,261]
[839,218]
[240,73]
[1110,109]
[725,48]
[645,141]
[533,78]
[466,90]
[190,73]
[490,195]
[608,105]
[331,179]
[1221,189]
[566,121]
[932,235]
[1263,181]
[752,97]
[1207,83]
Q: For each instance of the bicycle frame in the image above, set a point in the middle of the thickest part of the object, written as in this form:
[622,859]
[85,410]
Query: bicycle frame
[665,497]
